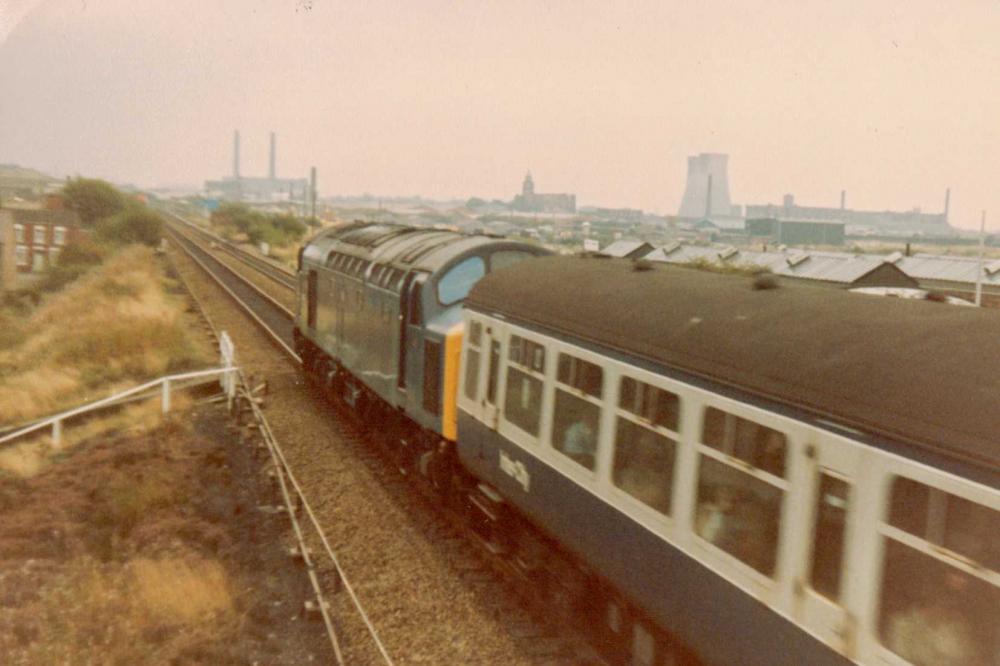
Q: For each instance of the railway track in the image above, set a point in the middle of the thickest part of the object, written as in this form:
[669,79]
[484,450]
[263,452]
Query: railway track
[491,580]
[274,272]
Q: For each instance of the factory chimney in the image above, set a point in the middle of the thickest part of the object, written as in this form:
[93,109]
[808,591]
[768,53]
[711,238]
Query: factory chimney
[236,154]
[843,199]
[271,172]
[947,200]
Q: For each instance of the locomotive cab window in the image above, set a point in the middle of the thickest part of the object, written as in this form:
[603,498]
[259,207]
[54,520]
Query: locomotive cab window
[523,396]
[740,491]
[646,443]
[577,411]
[457,282]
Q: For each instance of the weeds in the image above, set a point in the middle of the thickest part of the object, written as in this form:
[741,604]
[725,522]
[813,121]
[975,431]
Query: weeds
[113,327]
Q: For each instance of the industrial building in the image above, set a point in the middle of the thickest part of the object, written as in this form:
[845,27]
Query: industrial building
[835,269]
[859,221]
[797,232]
[258,190]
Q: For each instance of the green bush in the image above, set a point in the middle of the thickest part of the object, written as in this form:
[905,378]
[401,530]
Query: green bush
[274,229]
[134,225]
[92,199]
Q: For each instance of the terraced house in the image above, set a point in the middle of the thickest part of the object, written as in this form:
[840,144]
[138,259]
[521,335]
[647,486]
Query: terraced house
[31,240]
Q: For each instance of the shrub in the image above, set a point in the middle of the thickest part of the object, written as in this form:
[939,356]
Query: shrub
[92,199]
[134,225]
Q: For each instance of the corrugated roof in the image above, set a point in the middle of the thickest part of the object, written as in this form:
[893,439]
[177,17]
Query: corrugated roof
[946,268]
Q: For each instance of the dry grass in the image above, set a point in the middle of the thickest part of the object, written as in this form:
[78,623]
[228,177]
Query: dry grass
[142,612]
[29,457]
[112,328]
[181,591]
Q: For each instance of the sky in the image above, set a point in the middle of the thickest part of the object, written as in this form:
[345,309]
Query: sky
[890,101]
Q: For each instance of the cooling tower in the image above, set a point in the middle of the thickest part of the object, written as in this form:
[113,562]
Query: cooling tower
[707,190]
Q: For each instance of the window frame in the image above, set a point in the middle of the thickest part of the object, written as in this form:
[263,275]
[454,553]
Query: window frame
[38,234]
[675,436]
[951,486]
[59,236]
[783,484]
[509,428]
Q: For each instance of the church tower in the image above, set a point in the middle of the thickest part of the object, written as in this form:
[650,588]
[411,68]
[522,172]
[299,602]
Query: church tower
[529,185]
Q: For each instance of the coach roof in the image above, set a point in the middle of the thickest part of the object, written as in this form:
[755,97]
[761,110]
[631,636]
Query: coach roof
[918,372]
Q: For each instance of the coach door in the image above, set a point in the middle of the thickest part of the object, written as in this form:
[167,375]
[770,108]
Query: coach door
[492,342]
[410,317]
[823,588]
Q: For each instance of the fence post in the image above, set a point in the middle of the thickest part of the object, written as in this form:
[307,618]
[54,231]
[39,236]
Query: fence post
[166,395]
[57,432]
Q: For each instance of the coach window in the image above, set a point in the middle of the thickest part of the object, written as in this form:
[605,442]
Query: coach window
[457,282]
[579,386]
[941,577]
[525,374]
[828,535]
[740,492]
[472,357]
[646,443]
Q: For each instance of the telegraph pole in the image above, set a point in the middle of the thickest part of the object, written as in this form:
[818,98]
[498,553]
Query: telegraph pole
[979,264]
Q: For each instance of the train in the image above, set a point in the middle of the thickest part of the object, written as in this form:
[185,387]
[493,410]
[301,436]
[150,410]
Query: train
[704,468]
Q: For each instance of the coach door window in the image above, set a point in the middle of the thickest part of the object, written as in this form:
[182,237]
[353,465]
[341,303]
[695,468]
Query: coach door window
[646,443]
[472,358]
[576,418]
[740,488]
[940,599]
[522,404]
[828,535]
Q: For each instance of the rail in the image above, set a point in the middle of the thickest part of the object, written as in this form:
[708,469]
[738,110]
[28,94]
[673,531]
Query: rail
[292,494]
[276,272]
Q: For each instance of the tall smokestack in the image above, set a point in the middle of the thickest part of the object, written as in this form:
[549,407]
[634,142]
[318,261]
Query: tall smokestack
[271,172]
[947,200]
[312,193]
[843,199]
[236,154]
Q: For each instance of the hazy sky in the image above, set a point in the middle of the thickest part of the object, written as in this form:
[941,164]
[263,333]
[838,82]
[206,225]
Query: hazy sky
[892,101]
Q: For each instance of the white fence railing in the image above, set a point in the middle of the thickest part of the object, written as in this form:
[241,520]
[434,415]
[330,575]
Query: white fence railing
[227,375]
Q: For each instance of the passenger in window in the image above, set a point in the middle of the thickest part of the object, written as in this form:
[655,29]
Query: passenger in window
[937,631]
[580,441]
[716,518]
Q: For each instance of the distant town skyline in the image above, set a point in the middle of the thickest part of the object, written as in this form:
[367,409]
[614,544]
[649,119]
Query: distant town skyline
[893,101]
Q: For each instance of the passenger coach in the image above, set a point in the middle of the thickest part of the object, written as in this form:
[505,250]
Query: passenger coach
[766,476]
